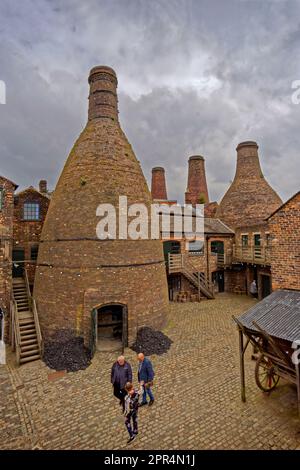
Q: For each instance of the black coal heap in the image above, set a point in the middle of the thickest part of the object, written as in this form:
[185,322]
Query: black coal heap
[150,341]
[64,351]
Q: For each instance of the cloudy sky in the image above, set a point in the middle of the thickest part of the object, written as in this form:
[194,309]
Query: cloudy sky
[195,77]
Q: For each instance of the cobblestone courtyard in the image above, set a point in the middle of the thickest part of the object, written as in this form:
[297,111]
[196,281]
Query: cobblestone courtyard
[197,394]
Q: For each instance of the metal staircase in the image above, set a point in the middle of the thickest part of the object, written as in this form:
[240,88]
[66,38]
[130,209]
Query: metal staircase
[26,337]
[179,264]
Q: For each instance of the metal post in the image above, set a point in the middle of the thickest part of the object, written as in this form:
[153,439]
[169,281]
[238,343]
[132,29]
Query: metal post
[297,367]
[242,365]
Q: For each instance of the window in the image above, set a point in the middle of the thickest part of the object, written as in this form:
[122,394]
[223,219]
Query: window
[257,239]
[196,247]
[31,211]
[245,240]
[34,252]
[1,198]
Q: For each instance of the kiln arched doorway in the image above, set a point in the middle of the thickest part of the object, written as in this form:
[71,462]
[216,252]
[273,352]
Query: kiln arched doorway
[110,327]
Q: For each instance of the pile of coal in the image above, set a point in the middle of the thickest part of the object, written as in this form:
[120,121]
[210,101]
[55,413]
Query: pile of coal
[64,351]
[149,341]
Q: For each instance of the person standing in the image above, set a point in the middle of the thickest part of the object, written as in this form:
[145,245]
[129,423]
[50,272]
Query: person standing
[145,378]
[121,373]
[253,289]
[131,410]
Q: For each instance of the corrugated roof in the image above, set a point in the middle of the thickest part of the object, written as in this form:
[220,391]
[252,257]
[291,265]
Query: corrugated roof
[278,314]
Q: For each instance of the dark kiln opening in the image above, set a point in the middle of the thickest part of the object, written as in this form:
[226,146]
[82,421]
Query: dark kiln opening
[111,328]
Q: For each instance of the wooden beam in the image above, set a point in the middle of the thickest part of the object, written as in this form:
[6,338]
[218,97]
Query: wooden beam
[242,365]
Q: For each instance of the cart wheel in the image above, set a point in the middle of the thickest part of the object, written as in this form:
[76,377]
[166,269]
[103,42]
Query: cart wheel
[266,377]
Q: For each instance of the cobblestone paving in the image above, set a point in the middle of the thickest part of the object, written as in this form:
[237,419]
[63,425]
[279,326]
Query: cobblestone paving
[197,395]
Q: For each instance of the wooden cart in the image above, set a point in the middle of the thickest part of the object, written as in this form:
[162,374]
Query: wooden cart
[278,353]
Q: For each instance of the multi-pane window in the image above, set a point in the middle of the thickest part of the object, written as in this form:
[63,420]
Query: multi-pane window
[31,211]
[1,198]
[257,239]
[34,252]
[245,240]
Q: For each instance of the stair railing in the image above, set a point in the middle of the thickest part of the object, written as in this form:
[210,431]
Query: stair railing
[16,329]
[32,305]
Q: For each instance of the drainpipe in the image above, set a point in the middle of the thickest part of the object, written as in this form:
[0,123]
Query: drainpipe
[207,258]
[2,345]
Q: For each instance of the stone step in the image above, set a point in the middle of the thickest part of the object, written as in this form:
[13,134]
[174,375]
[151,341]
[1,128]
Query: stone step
[29,359]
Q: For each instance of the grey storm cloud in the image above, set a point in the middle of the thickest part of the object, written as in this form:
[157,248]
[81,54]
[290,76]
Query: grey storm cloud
[195,77]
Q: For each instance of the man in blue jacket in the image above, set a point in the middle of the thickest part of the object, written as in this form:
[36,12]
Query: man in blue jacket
[145,378]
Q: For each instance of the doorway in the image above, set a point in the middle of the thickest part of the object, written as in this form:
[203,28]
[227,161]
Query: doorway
[265,286]
[18,258]
[219,280]
[111,328]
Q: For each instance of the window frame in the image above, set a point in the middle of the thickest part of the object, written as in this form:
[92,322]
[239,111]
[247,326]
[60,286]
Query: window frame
[243,235]
[29,212]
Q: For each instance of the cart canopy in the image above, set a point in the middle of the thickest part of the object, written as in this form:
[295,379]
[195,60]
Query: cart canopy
[278,315]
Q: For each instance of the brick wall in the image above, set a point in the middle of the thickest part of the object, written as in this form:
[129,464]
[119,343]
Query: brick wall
[26,234]
[6,231]
[285,232]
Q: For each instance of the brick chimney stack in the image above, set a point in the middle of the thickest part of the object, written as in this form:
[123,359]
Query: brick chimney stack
[158,184]
[250,199]
[43,186]
[197,192]
[103,98]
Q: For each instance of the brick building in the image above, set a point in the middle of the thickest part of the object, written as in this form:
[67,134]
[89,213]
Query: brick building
[284,226]
[7,189]
[30,210]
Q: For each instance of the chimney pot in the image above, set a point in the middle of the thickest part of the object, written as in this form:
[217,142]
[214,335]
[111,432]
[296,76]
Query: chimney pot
[43,186]
[103,99]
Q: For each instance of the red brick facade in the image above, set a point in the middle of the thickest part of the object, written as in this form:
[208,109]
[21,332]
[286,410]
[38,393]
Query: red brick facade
[7,189]
[285,232]
[158,184]
[27,233]
[196,192]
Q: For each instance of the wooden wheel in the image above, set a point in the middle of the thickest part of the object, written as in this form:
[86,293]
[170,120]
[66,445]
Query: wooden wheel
[266,377]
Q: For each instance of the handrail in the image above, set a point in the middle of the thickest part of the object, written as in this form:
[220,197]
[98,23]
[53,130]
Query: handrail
[17,336]
[37,326]
[180,263]
[32,305]
[254,254]
[28,289]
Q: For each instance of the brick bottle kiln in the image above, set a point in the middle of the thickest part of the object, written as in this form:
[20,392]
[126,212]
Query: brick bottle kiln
[250,199]
[82,283]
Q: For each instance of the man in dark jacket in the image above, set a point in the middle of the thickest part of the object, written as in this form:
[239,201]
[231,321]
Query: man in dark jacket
[121,373]
[145,378]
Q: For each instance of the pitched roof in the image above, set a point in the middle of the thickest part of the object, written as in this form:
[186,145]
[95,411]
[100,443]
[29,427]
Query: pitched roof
[31,188]
[278,314]
[216,226]
[283,205]
[14,184]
